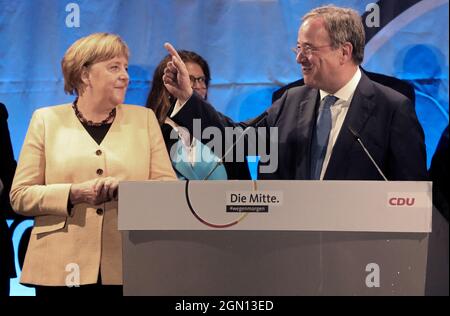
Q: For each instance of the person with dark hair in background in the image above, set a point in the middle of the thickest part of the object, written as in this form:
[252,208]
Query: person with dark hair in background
[318,124]
[7,169]
[190,158]
[72,160]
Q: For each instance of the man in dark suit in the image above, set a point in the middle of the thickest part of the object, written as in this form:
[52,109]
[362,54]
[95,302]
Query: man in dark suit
[317,123]
[7,169]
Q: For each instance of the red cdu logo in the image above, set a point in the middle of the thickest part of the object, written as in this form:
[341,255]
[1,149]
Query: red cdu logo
[409,199]
[401,201]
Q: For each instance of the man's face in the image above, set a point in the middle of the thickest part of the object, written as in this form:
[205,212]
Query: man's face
[320,62]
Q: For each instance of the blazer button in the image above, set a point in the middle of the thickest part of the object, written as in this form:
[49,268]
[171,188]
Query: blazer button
[99,211]
[98,152]
[99,172]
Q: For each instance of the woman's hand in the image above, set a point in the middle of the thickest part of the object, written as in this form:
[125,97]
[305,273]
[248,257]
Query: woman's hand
[107,188]
[95,191]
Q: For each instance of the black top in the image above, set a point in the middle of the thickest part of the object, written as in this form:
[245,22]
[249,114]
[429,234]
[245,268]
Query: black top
[98,133]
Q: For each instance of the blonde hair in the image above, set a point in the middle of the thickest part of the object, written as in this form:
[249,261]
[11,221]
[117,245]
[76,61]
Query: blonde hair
[343,25]
[87,51]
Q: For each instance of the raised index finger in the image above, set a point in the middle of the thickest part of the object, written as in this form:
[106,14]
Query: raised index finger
[172,51]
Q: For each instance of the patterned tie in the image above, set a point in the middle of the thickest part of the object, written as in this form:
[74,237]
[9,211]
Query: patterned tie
[320,138]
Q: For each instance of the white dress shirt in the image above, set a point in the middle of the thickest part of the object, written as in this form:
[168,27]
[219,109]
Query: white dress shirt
[177,107]
[338,113]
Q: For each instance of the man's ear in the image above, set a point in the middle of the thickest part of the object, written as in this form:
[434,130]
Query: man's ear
[347,52]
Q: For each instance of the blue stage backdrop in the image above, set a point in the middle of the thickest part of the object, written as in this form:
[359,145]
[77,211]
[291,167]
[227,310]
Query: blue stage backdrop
[246,42]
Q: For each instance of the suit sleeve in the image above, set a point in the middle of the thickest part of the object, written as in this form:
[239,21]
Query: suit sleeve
[197,108]
[30,195]
[407,160]
[198,111]
[160,165]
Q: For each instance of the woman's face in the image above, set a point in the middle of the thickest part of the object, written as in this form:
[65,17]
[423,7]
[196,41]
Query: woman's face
[197,79]
[108,80]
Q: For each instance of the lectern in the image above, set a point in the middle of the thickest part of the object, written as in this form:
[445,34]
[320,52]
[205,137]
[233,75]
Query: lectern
[253,238]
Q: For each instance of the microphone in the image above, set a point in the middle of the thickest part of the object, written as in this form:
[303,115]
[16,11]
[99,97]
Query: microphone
[358,138]
[252,124]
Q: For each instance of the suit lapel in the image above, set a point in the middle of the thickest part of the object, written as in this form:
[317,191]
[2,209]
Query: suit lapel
[358,113]
[115,128]
[306,121]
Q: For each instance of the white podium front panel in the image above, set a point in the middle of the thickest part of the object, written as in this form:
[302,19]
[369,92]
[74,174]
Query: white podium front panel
[352,206]
[274,237]
[268,263]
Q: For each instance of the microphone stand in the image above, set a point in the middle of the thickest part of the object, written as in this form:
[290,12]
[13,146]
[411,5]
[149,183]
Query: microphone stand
[355,134]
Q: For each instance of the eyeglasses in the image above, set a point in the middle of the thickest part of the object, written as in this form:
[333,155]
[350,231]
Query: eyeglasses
[201,81]
[307,50]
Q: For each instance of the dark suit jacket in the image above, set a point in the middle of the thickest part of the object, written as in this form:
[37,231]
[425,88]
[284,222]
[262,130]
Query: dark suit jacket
[7,169]
[384,119]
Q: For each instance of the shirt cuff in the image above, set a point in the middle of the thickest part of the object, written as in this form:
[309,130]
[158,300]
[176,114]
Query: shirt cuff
[177,107]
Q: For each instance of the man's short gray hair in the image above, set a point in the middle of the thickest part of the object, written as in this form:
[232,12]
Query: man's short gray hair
[343,25]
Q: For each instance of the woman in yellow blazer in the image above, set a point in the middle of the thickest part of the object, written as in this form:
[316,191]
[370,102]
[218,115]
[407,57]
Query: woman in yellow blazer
[73,157]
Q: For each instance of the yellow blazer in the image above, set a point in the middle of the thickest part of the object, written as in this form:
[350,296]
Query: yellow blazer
[57,152]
